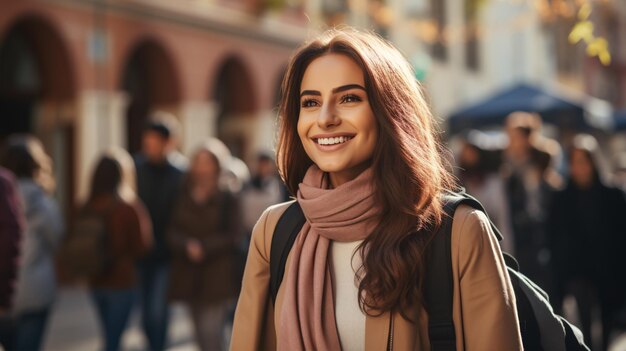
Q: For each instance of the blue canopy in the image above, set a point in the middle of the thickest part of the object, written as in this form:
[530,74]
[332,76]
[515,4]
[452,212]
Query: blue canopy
[493,110]
[620,120]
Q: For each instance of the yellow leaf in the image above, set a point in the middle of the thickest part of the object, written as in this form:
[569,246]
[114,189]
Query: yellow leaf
[584,12]
[605,58]
[581,31]
[597,46]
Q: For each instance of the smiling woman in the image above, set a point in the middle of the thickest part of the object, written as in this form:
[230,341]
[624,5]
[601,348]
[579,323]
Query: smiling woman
[358,146]
[336,123]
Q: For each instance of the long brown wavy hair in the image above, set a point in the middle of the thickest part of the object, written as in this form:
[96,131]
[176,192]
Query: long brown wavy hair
[408,164]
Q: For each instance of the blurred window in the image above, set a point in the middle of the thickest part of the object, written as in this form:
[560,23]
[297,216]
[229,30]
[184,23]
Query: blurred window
[334,6]
[439,50]
[18,65]
[472,45]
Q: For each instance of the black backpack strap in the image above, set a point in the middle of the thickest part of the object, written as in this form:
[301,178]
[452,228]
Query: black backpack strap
[439,286]
[285,234]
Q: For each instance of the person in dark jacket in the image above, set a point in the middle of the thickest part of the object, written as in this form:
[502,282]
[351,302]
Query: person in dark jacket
[36,286]
[11,229]
[158,185]
[530,180]
[129,236]
[204,233]
[587,224]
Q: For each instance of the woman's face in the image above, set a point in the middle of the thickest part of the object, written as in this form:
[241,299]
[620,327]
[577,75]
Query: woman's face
[469,156]
[581,169]
[204,169]
[519,142]
[336,125]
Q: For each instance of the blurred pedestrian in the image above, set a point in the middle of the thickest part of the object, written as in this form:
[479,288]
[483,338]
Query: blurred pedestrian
[128,236]
[158,186]
[11,231]
[530,180]
[204,233]
[263,190]
[36,281]
[479,163]
[587,223]
[620,170]
[235,175]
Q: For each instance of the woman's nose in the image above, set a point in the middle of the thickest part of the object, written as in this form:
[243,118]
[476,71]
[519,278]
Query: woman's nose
[328,117]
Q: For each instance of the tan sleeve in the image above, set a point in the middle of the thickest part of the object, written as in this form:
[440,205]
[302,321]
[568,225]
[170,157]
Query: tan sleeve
[250,314]
[487,300]
[253,326]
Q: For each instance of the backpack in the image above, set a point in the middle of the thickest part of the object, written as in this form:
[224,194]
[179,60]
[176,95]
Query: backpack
[541,329]
[85,253]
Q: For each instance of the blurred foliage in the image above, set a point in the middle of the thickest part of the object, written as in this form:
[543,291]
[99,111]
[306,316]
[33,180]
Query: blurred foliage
[472,8]
[584,31]
[275,4]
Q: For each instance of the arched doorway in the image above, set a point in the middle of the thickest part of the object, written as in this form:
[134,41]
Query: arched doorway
[37,92]
[236,104]
[151,83]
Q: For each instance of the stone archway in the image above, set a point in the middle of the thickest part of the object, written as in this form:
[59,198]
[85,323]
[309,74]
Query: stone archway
[37,93]
[151,82]
[236,102]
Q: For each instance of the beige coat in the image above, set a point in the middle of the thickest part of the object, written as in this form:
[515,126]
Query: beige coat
[484,311]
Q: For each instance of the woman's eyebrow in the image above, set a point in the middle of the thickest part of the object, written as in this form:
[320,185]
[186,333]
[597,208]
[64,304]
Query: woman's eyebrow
[347,87]
[310,92]
[334,91]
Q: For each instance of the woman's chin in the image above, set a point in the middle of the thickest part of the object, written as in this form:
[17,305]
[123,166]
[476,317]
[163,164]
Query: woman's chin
[331,167]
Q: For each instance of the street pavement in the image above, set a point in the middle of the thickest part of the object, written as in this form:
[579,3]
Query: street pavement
[73,326]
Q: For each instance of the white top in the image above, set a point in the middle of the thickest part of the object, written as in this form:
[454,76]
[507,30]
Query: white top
[350,319]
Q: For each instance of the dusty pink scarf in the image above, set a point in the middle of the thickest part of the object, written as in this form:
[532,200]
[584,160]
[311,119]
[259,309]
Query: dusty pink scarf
[346,213]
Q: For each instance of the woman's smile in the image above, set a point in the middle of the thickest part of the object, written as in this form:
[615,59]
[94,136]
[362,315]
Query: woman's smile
[332,142]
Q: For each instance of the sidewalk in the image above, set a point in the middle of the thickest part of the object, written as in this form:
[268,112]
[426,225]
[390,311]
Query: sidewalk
[73,326]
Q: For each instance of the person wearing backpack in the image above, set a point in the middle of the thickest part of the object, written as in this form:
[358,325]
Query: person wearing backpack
[128,237]
[357,145]
[36,284]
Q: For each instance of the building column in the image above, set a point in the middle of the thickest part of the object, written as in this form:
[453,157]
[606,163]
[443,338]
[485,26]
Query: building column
[198,121]
[99,126]
[266,132]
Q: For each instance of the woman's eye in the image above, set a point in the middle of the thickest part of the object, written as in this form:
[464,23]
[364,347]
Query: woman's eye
[309,103]
[350,98]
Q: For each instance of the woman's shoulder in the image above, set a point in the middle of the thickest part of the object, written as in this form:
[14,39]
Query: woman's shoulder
[471,229]
[466,215]
[271,215]
[264,229]
[274,212]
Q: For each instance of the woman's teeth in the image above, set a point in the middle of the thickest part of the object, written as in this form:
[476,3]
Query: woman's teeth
[333,141]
